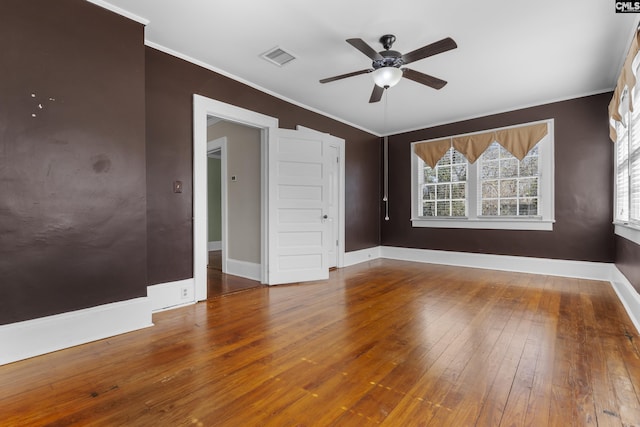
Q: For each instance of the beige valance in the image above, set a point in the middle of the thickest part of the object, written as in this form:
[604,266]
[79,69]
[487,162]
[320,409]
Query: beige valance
[431,152]
[519,141]
[472,146]
[516,140]
[627,79]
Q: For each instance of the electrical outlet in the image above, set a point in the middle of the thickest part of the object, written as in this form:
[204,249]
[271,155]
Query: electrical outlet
[184,292]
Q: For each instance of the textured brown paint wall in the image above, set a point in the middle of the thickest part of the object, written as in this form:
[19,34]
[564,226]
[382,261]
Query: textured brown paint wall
[170,85]
[628,260]
[72,184]
[583,189]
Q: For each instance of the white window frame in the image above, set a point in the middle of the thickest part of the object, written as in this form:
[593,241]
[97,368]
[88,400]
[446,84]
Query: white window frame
[630,228]
[546,186]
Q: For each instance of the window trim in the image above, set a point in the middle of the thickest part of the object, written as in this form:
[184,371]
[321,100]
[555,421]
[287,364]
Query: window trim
[543,222]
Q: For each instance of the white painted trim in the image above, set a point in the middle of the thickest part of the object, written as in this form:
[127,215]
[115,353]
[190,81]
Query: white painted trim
[120,11]
[485,224]
[221,144]
[30,338]
[552,267]
[474,219]
[169,295]
[362,255]
[248,270]
[628,296]
[628,231]
[203,107]
[215,246]
[217,70]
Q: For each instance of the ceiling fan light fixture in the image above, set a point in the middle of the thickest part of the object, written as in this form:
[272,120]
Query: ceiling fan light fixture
[387,76]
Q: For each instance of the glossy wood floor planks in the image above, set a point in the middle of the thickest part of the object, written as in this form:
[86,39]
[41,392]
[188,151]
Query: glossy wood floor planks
[386,343]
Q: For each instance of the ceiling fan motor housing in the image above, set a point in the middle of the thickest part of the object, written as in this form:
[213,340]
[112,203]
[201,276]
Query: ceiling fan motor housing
[390,58]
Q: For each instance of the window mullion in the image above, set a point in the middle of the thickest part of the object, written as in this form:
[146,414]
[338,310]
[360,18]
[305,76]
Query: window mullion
[473,190]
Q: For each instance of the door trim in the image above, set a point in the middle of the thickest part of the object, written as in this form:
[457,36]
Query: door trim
[221,144]
[203,107]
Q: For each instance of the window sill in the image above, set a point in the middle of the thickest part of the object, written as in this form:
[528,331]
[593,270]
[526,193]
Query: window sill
[486,224]
[628,231]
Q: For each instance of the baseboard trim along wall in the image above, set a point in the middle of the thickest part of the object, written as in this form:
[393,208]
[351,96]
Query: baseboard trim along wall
[214,246]
[22,340]
[552,267]
[248,270]
[628,296]
[171,294]
[607,272]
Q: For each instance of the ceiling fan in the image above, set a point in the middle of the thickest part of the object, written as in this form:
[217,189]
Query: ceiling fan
[386,64]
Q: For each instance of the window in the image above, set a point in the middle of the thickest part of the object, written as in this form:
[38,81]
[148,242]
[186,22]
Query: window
[627,166]
[496,191]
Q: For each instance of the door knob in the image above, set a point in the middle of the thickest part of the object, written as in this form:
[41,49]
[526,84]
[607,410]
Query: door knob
[324,217]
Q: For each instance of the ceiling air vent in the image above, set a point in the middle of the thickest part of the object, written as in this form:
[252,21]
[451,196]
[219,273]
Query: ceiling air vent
[278,56]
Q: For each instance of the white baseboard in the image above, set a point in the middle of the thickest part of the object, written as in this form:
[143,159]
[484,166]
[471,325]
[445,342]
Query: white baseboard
[607,272]
[628,296]
[22,340]
[215,246]
[552,267]
[171,294]
[248,270]
[362,255]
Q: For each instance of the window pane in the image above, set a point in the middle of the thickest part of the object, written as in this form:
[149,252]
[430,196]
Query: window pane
[529,166]
[428,208]
[492,152]
[458,191]
[430,175]
[459,173]
[444,208]
[490,169]
[429,192]
[446,159]
[444,191]
[444,174]
[508,188]
[490,207]
[508,168]
[508,207]
[528,187]
[490,189]
[528,207]
[458,208]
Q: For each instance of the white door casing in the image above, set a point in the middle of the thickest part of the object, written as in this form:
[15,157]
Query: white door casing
[221,144]
[298,202]
[203,107]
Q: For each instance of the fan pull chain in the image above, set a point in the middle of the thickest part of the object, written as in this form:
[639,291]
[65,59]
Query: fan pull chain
[385,160]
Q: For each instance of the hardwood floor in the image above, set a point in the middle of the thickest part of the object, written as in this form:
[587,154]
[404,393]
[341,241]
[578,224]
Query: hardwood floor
[385,343]
[219,284]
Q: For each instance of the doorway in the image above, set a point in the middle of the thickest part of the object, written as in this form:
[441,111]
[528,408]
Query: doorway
[270,135]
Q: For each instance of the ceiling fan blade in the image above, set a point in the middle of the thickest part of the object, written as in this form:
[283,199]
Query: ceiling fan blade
[344,76]
[363,47]
[425,79]
[430,50]
[376,95]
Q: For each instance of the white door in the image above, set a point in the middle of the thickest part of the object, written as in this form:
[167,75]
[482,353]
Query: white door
[298,207]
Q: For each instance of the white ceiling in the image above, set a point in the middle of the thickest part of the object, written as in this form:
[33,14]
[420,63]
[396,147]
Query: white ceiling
[510,54]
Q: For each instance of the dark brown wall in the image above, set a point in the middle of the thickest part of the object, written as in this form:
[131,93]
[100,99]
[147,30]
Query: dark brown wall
[583,188]
[72,184]
[628,260]
[170,85]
